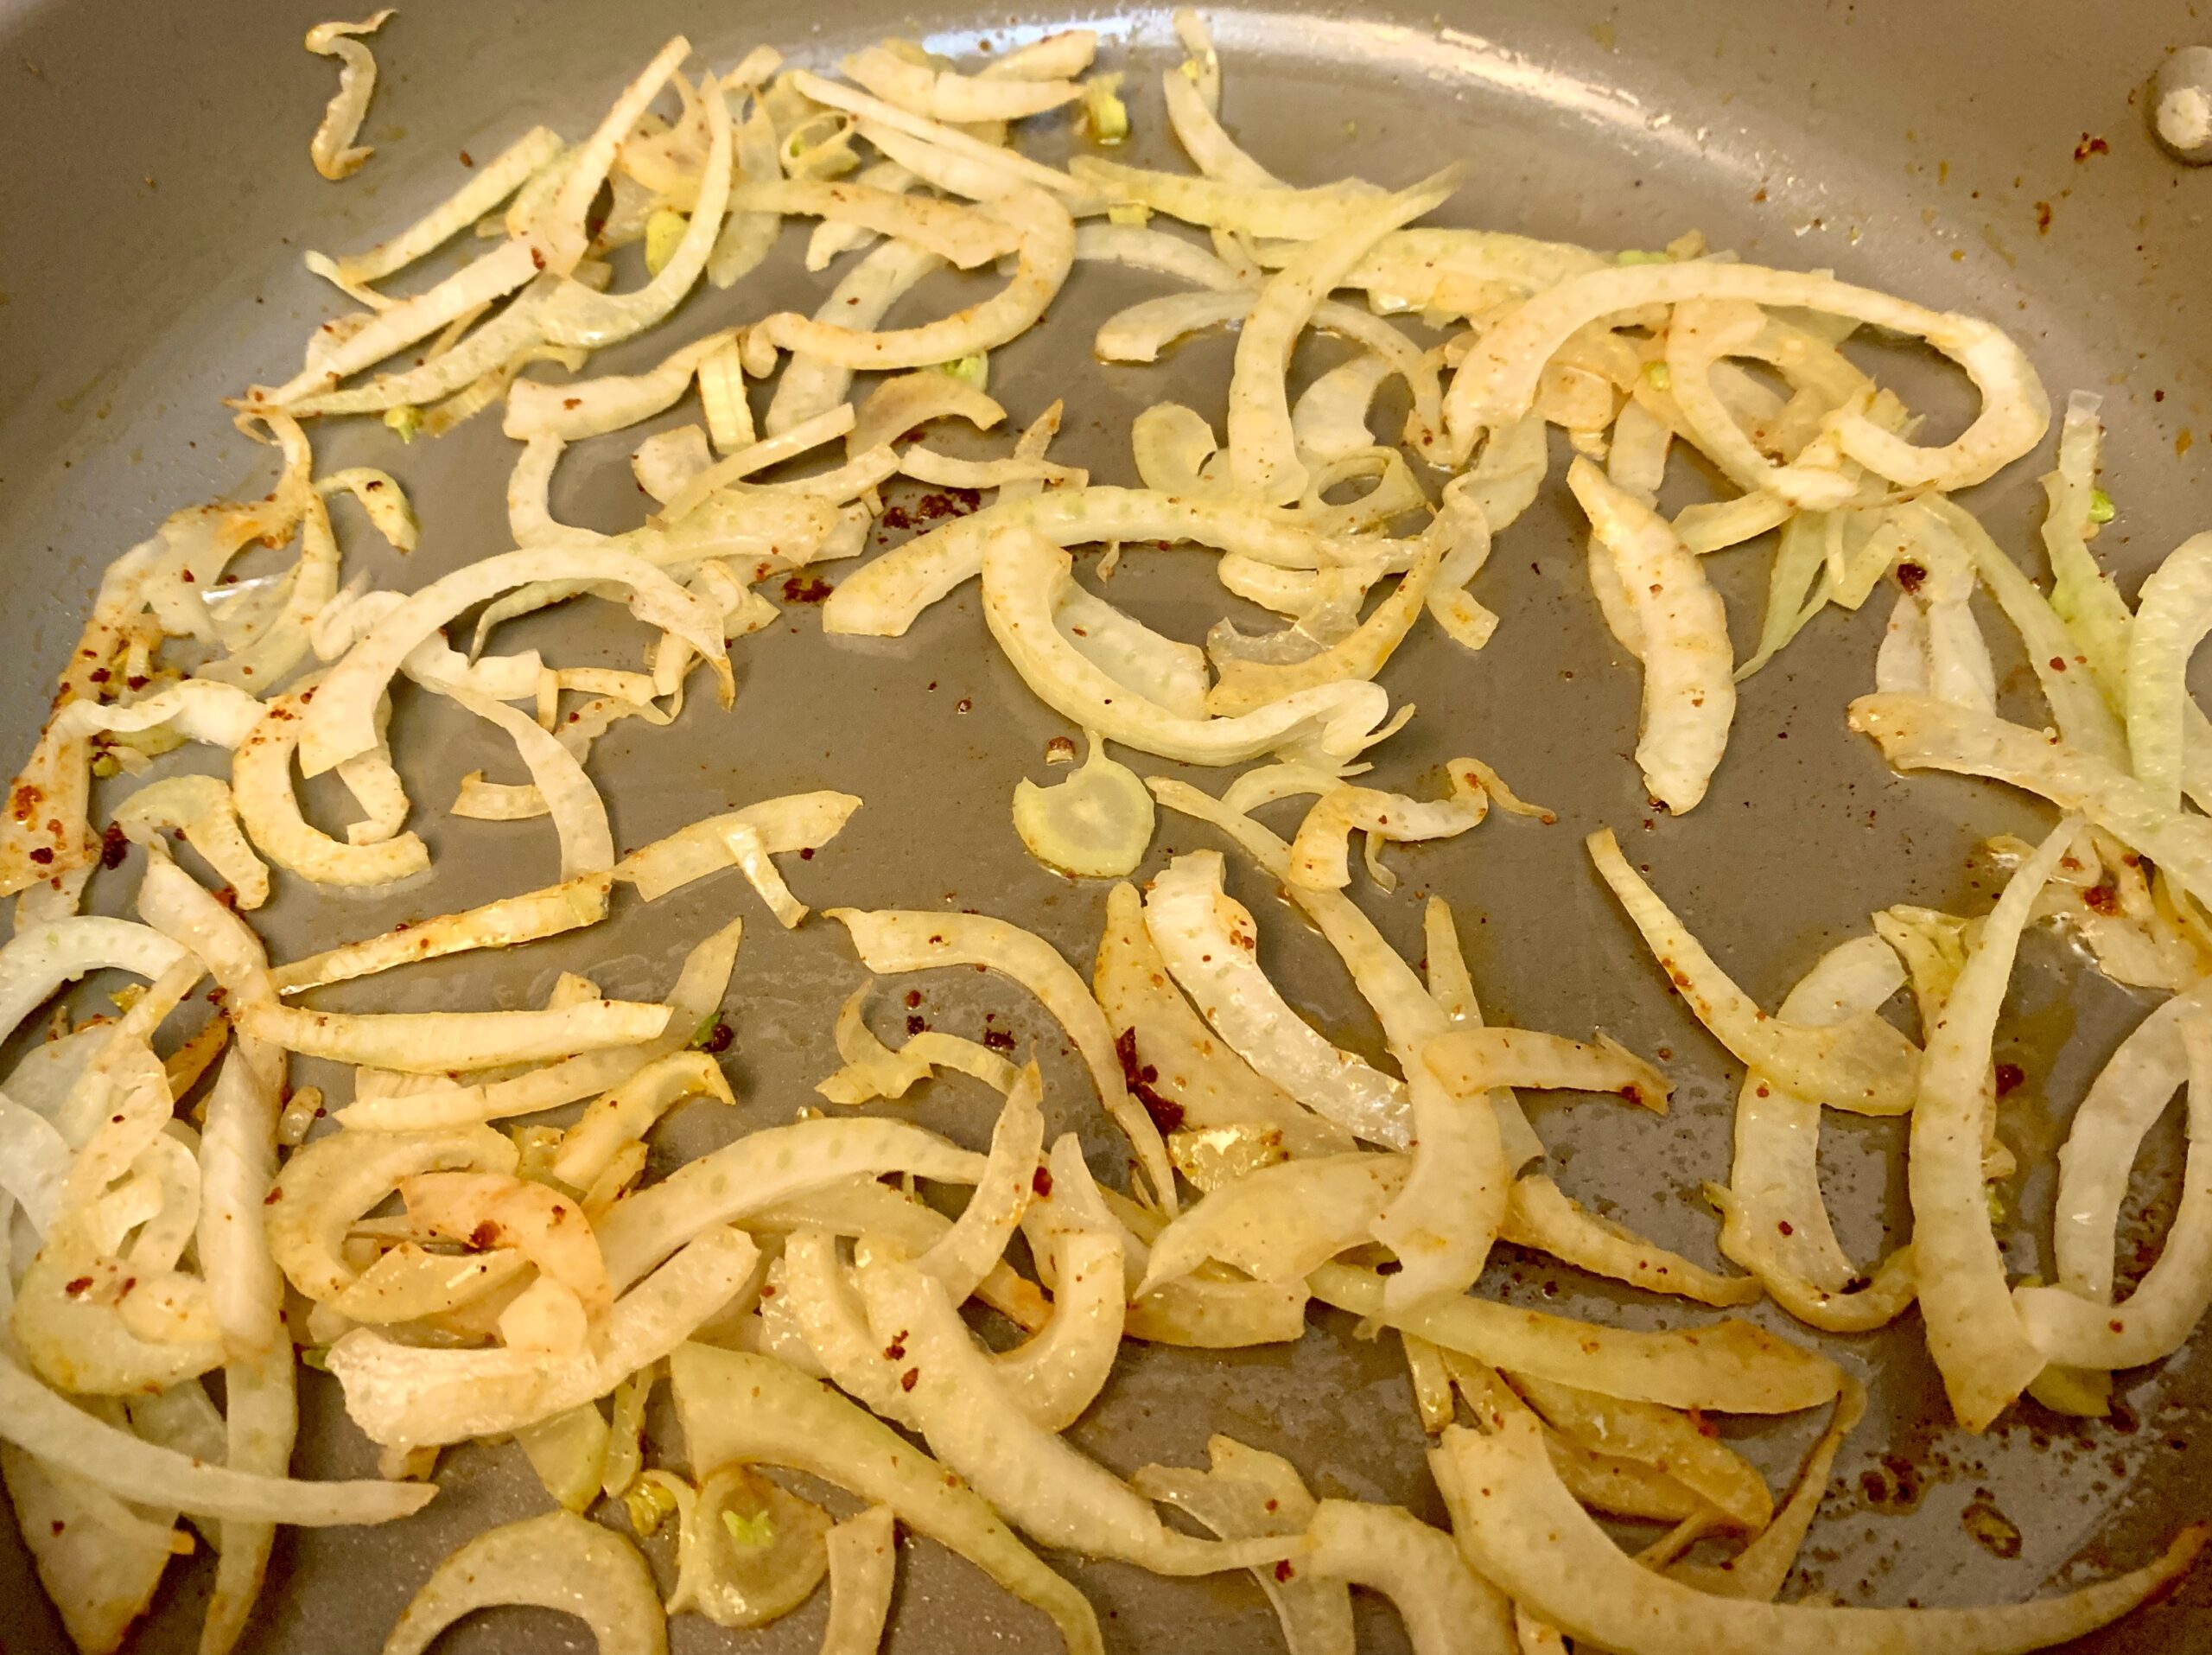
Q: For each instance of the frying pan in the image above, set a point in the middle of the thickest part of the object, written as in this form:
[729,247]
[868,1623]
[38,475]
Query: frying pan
[156,196]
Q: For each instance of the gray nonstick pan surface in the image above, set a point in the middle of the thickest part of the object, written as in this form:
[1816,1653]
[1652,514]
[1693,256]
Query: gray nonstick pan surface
[155,199]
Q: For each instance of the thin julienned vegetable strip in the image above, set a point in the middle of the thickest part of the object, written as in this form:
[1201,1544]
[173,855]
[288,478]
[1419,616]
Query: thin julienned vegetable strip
[332,148]
[1689,693]
[2083,1331]
[892,942]
[42,1422]
[1919,732]
[1984,1353]
[738,1409]
[1863,1065]
[2172,614]
[1520,1528]
[1730,1366]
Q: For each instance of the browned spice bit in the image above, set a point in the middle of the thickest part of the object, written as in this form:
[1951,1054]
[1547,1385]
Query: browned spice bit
[2042,218]
[274,1196]
[2103,897]
[2091,145]
[806,588]
[999,1039]
[896,517]
[1166,1114]
[1041,1182]
[1909,576]
[906,1380]
[950,502]
[2010,1078]
[1992,1530]
[486,1234]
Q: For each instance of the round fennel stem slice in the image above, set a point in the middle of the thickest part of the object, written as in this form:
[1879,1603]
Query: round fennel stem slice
[1096,824]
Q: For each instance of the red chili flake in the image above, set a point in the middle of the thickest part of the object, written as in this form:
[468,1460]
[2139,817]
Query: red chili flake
[896,1350]
[137,681]
[2091,145]
[2102,897]
[806,853]
[272,1197]
[1166,1114]
[906,1379]
[78,1287]
[114,846]
[2042,218]
[484,1235]
[999,1039]
[896,517]
[718,1039]
[1041,1182]
[188,576]
[1909,576]
[59,1526]
[97,675]
[1283,1570]
[2010,1078]
[915,1025]
[1786,1227]
[963,705]
[913,998]
[806,588]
